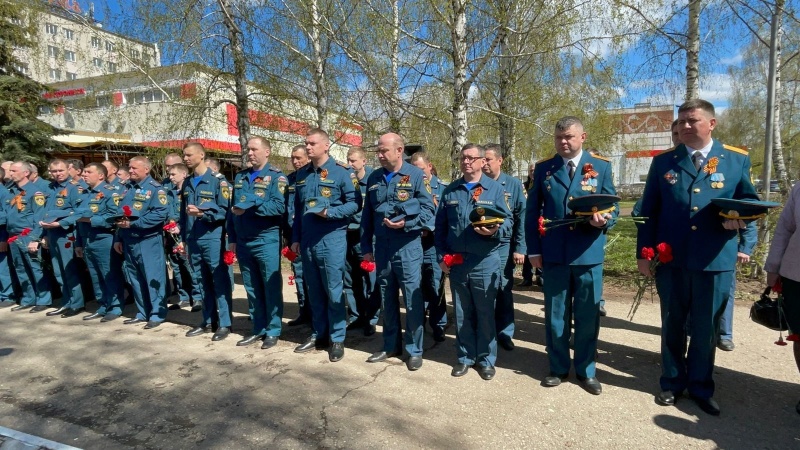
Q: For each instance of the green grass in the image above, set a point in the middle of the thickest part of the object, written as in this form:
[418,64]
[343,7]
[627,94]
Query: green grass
[621,251]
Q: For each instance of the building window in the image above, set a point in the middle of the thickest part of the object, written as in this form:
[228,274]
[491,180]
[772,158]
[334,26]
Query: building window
[135,54]
[151,96]
[55,75]
[97,62]
[52,51]
[46,109]
[69,34]
[104,101]
[109,46]
[111,67]
[49,28]
[22,68]
[69,55]
[96,41]
[72,76]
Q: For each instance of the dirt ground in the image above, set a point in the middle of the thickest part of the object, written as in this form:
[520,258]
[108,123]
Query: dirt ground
[110,386]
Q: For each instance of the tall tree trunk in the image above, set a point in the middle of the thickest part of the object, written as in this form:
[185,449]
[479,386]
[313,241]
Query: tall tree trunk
[321,91]
[460,86]
[394,88]
[777,145]
[693,51]
[239,77]
[505,122]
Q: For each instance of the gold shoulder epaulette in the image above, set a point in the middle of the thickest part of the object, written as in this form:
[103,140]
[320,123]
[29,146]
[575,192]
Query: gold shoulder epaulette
[346,166]
[735,149]
[545,160]
[603,158]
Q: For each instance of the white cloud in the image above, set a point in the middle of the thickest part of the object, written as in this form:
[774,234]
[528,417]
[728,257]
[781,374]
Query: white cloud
[734,60]
[716,87]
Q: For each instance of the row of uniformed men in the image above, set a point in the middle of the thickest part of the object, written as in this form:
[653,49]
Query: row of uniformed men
[117,229]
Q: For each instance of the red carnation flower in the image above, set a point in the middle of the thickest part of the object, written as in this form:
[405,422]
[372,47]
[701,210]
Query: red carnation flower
[648,253]
[289,254]
[778,287]
[126,211]
[453,260]
[25,232]
[664,258]
[542,229]
[664,248]
[12,239]
[367,266]
[229,257]
[780,341]
[793,337]
[71,238]
[67,244]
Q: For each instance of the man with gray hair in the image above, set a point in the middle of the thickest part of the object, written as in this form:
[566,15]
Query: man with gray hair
[23,213]
[6,282]
[143,211]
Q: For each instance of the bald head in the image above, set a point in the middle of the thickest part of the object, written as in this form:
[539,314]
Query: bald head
[390,151]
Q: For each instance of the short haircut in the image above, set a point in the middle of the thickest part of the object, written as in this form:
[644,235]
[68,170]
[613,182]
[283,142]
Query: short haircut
[2,172]
[195,144]
[416,156]
[180,167]
[674,122]
[123,170]
[57,162]
[31,167]
[261,139]
[356,150]
[566,122]
[112,164]
[213,163]
[495,148]
[144,160]
[697,103]
[470,146]
[75,163]
[320,132]
[99,167]
[299,148]
[26,166]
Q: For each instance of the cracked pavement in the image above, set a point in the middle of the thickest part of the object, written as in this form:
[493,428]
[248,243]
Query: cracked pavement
[109,385]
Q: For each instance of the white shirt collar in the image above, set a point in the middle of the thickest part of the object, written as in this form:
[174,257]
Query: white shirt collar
[575,160]
[703,151]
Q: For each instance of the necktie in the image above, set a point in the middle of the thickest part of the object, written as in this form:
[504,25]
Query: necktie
[697,158]
[571,165]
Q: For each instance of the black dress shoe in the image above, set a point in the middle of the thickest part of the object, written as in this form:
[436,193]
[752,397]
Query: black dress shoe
[300,320]
[666,398]
[337,352]
[414,363]
[152,324]
[93,316]
[726,345]
[55,312]
[381,356]
[525,283]
[21,307]
[708,405]
[133,321]
[72,312]
[221,334]
[109,317]
[355,325]
[553,380]
[307,346]
[250,339]
[603,312]
[591,385]
[507,344]
[196,331]
[486,372]
[438,335]
[198,306]
[369,329]
[459,370]
[269,342]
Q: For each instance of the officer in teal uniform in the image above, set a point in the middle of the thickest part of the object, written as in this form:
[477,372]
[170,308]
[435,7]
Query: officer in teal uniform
[95,241]
[254,229]
[358,284]
[512,250]
[431,281]
[143,211]
[23,213]
[7,295]
[185,281]
[397,208]
[677,200]
[204,201]
[570,256]
[475,282]
[64,197]
[326,196]
[299,159]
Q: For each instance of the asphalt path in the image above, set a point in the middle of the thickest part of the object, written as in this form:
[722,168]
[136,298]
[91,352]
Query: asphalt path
[109,385]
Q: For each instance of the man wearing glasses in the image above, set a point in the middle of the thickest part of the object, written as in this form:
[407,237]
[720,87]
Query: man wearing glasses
[469,254]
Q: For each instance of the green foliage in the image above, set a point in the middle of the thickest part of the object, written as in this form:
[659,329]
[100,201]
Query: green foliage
[620,261]
[22,135]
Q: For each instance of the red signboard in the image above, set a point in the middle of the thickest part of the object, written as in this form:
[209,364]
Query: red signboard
[69,5]
[64,93]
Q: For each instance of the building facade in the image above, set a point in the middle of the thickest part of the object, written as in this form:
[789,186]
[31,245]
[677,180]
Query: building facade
[644,131]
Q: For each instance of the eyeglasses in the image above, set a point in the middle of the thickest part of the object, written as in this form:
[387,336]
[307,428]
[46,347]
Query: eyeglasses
[470,159]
